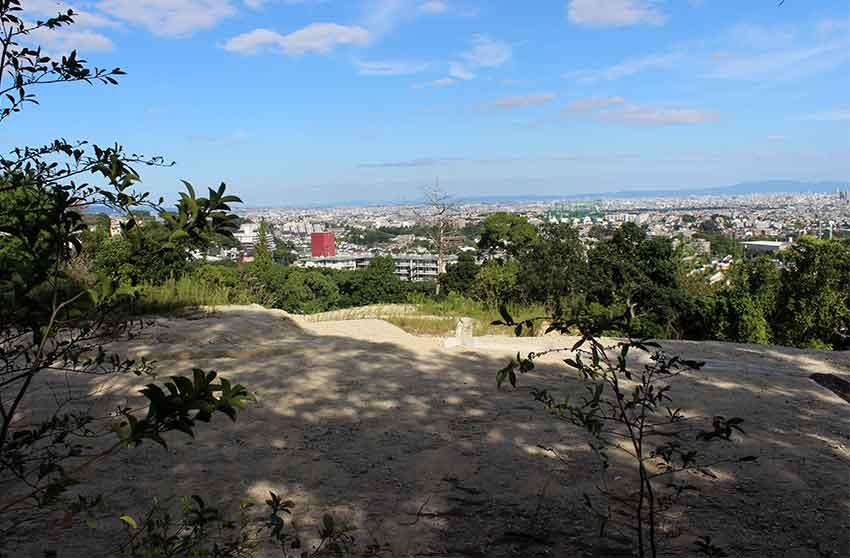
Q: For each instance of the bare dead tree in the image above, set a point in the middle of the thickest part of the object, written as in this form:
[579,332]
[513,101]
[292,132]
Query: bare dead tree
[437,211]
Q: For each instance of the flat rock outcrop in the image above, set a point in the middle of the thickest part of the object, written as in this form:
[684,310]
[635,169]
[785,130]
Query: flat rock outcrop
[412,442]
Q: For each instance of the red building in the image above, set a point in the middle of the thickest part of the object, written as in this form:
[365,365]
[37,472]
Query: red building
[323,244]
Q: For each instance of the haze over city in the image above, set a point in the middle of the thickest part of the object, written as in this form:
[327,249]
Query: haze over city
[302,102]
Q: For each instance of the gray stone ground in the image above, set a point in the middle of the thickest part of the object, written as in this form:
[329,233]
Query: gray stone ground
[411,442]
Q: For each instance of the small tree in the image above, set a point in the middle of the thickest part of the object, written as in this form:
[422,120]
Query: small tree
[498,282]
[627,409]
[262,248]
[437,215]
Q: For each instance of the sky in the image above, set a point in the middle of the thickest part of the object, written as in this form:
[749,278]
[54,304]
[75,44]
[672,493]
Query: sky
[296,102]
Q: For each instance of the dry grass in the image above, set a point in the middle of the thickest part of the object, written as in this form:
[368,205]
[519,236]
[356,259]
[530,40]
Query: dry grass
[430,318]
[417,324]
[424,325]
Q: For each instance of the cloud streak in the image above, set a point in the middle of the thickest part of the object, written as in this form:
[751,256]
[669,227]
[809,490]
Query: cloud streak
[319,38]
[487,52]
[169,17]
[651,116]
[390,67]
[591,104]
[459,71]
[617,110]
[521,101]
[433,7]
[411,163]
[614,13]
[484,53]
[839,115]
[782,65]
[628,67]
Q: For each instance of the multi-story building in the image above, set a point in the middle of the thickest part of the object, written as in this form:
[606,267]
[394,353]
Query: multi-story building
[408,267]
[323,244]
[701,247]
[247,235]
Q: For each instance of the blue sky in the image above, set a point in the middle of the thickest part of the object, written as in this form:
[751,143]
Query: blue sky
[306,101]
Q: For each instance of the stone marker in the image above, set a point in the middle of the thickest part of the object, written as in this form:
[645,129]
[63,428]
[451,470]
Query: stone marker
[463,334]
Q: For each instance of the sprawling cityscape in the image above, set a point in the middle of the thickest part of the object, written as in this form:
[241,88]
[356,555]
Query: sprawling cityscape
[349,237]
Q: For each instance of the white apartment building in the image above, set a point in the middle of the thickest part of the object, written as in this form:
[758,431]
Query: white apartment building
[248,234]
[408,267]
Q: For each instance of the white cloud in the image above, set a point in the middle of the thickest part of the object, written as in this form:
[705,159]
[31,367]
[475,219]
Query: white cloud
[776,137]
[749,35]
[323,37]
[839,115]
[169,17]
[782,52]
[381,17]
[614,13]
[644,115]
[254,41]
[628,68]
[433,7]
[82,18]
[616,109]
[389,67]
[320,38]
[80,36]
[459,71]
[62,41]
[519,101]
[782,64]
[590,104]
[487,52]
[442,82]
[257,4]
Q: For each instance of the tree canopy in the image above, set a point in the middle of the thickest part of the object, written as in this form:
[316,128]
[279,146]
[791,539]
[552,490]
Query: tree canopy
[506,232]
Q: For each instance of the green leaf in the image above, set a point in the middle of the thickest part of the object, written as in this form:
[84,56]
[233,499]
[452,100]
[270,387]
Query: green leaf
[502,374]
[129,521]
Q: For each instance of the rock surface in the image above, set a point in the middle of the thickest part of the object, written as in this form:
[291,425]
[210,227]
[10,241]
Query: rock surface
[412,443]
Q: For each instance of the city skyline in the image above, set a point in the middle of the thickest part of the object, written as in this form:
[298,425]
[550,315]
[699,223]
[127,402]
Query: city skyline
[303,102]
